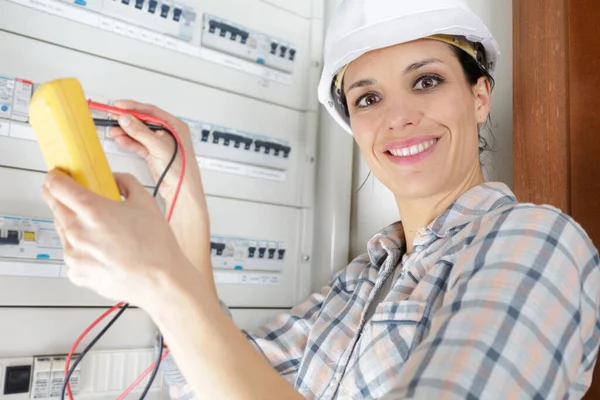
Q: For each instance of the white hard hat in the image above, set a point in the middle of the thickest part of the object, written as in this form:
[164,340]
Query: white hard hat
[360,26]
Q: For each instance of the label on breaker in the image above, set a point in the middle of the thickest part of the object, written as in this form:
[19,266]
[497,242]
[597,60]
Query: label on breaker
[7,87]
[42,385]
[22,97]
[239,278]
[57,382]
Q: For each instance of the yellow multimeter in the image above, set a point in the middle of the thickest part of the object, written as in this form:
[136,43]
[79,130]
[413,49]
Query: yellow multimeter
[65,131]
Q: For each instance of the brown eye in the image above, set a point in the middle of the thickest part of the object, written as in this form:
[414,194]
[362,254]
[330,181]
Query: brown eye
[367,100]
[428,82]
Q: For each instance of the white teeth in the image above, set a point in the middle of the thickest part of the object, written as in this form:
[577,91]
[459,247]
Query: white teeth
[413,150]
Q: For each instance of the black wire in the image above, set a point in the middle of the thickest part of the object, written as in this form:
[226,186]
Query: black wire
[89,346]
[114,123]
[108,122]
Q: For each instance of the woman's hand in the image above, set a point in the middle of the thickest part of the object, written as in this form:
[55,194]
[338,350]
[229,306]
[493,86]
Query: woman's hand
[190,221]
[124,251]
[156,148]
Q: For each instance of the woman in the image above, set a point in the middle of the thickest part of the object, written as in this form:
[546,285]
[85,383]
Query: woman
[471,295]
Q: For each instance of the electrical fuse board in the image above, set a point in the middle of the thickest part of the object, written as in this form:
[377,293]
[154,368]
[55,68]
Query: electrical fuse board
[32,240]
[29,239]
[239,149]
[232,38]
[48,376]
[15,95]
[234,145]
[167,17]
[247,254]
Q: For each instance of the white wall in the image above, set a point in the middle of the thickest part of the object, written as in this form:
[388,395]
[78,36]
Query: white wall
[373,207]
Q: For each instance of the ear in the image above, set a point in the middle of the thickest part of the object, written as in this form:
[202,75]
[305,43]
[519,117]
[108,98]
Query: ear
[483,97]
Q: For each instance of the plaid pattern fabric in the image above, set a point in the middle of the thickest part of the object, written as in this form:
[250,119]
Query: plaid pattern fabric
[498,300]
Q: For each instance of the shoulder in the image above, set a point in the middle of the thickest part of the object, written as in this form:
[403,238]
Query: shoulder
[537,240]
[527,225]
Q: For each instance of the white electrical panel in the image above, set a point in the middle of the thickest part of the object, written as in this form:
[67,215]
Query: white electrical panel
[126,31]
[243,76]
[101,375]
[257,251]
[246,149]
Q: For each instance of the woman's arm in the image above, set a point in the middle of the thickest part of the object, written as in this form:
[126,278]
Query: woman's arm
[126,251]
[214,356]
[282,342]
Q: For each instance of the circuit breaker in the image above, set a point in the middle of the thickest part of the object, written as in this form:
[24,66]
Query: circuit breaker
[239,254]
[240,41]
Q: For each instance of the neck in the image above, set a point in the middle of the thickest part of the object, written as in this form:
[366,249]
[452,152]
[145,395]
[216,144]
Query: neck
[417,213]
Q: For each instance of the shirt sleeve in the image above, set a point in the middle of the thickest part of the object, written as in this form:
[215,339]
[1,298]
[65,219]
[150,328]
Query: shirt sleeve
[519,317]
[281,342]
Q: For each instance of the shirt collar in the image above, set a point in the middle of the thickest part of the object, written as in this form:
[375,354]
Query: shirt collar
[472,204]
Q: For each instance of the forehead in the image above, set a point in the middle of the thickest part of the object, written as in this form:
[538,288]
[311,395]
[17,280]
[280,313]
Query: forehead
[400,56]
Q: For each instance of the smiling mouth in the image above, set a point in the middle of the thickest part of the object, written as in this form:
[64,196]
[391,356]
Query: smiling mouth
[413,150]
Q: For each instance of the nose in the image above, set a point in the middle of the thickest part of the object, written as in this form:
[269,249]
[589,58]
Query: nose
[401,112]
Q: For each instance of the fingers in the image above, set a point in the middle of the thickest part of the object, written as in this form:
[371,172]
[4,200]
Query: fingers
[129,186]
[129,144]
[64,191]
[148,109]
[66,245]
[153,142]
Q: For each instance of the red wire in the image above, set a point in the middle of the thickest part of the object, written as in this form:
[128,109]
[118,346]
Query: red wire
[142,376]
[80,338]
[150,119]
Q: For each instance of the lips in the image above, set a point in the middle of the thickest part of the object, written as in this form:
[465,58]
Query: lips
[411,151]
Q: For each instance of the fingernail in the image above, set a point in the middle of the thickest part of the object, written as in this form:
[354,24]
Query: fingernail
[125,120]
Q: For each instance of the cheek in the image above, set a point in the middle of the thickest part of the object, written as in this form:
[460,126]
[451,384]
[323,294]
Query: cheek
[454,110]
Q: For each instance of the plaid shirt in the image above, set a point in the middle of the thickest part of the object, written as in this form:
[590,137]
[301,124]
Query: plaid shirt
[498,299]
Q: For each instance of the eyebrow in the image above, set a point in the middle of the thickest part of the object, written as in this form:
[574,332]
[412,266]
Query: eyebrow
[411,68]
[415,66]
[361,83]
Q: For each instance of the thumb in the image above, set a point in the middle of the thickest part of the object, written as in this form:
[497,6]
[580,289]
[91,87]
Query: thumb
[154,142]
[130,187]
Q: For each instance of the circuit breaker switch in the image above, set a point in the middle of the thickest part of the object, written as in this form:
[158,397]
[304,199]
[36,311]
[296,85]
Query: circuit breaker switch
[177,14]
[139,4]
[29,236]
[9,237]
[164,10]
[205,133]
[261,252]
[251,251]
[152,6]
[280,254]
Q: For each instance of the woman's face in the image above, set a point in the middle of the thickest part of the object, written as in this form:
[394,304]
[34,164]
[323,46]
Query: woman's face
[414,117]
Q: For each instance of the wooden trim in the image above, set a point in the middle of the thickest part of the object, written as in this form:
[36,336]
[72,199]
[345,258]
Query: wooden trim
[541,99]
[584,79]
